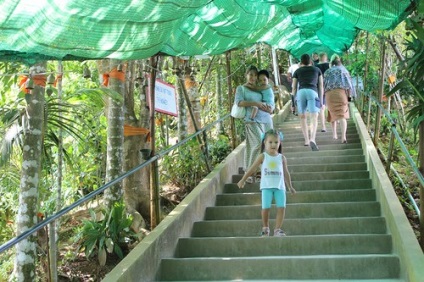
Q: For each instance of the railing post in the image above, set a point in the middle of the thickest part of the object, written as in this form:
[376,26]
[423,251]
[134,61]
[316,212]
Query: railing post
[391,147]
[369,113]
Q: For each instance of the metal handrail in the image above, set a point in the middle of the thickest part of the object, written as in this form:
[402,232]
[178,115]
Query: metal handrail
[405,151]
[94,193]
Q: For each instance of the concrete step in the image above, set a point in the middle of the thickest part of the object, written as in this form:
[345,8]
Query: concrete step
[329,144]
[323,146]
[316,158]
[357,195]
[310,185]
[290,136]
[307,226]
[327,167]
[287,246]
[330,153]
[328,175]
[307,280]
[384,266]
[300,210]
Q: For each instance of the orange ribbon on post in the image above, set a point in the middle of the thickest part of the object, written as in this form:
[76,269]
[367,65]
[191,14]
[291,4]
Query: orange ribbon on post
[114,73]
[39,80]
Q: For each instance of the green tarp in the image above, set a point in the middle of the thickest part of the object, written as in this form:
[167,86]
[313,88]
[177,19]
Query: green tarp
[133,29]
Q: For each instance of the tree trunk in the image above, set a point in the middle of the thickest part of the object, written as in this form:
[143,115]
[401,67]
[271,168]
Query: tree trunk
[24,269]
[115,131]
[191,87]
[219,101]
[136,187]
[421,166]
[182,112]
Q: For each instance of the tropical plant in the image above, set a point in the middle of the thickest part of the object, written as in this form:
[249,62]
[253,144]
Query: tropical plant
[108,231]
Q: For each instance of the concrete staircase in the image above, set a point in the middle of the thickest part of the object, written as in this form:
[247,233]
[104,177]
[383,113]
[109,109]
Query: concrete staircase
[334,226]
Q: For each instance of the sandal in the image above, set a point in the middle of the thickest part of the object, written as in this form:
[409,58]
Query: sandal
[250,180]
[258,179]
[314,146]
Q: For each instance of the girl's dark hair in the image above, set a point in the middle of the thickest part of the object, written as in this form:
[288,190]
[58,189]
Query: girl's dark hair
[305,59]
[251,68]
[272,132]
[264,72]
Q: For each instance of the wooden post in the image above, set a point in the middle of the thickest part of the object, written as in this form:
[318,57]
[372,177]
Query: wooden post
[380,91]
[154,179]
[231,99]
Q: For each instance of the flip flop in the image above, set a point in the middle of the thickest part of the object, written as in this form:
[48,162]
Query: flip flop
[314,146]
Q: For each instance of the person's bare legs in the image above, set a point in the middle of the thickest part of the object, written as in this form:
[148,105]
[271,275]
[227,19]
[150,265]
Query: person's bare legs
[265,217]
[305,129]
[343,127]
[334,128]
[279,218]
[314,125]
[322,116]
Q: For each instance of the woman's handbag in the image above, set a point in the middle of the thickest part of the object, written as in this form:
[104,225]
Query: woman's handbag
[238,112]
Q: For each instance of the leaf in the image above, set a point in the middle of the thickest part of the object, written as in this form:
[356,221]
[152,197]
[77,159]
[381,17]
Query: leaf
[118,251]
[109,245]
[102,256]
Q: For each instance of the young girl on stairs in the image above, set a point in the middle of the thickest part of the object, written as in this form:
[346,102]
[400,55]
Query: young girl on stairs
[275,178]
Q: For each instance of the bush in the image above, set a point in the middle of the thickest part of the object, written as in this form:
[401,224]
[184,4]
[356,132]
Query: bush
[219,149]
[184,167]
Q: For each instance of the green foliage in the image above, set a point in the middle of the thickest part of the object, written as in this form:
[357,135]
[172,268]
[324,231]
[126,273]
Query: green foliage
[412,73]
[7,260]
[219,149]
[184,167]
[109,234]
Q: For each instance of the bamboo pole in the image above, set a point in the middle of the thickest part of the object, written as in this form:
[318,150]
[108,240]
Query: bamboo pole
[203,143]
[365,80]
[154,174]
[230,98]
[206,74]
[380,91]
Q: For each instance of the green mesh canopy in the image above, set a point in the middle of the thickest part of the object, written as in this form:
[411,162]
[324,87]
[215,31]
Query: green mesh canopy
[31,30]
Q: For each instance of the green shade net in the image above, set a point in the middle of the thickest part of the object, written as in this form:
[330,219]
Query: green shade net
[32,30]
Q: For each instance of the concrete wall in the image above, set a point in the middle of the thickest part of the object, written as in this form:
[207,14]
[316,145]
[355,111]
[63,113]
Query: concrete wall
[405,244]
[143,262]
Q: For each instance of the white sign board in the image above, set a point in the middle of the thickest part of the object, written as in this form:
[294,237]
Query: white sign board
[165,98]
